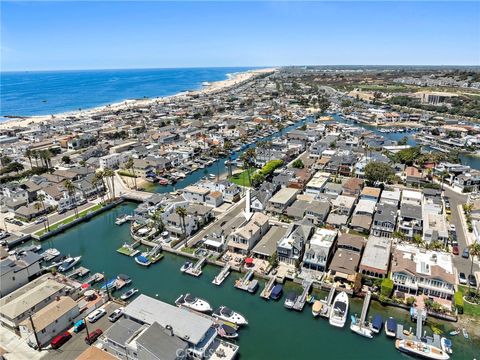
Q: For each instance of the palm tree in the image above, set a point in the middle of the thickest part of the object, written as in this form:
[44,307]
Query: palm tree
[71,193]
[248,158]
[129,165]
[110,175]
[182,212]
[98,178]
[28,154]
[35,156]
[157,220]
[443,175]
[41,199]
[38,207]
[474,250]
[417,239]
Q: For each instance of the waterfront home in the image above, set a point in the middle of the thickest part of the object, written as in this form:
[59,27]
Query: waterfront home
[197,331]
[113,161]
[391,197]
[434,228]
[179,227]
[342,208]
[28,299]
[376,257]
[416,271]
[344,267]
[290,248]
[319,250]
[214,198]
[244,238]
[467,182]
[385,220]
[267,246]
[196,194]
[410,221]
[341,164]
[260,197]
[49,321]
[279,202]
[17,270]
[230,191]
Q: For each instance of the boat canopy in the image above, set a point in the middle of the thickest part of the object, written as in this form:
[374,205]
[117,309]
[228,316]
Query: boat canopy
[391,325]
[377,322]
[142,259]
[292,296]
[189,298]
[317,306]
[226,311]
[123,277]
[277,289]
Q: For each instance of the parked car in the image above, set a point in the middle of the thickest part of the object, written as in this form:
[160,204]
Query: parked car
[93,336]
[97,314]
[117,314]
[465,253]
[452,227]
[17,222]
[455,250]
[79,326]
[40,220]
[61,211]
[60,339]
[472,281]
[462,279]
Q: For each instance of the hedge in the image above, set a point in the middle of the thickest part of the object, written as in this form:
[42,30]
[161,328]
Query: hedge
[458,297]
[270,167]
[387,287]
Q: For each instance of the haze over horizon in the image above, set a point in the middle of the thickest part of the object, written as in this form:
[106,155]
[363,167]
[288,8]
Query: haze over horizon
[132,35]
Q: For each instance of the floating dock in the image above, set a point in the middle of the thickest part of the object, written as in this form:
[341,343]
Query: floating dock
[300,302]
[196,270]
[97,277]
[246,284]
[218,280]
[366,304]
[129,249]
[267,290]
[327,303]
[80,272]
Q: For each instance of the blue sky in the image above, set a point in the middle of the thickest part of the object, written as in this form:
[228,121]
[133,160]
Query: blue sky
[95,35]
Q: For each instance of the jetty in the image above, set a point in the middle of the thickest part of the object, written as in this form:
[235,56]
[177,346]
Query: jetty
[327,303]
[196,270]
[300,302]
[247,283]
[366,304]
[267,290]
[222,275]
[80,272]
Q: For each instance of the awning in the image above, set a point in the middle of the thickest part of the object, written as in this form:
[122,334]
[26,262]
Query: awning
[249,260]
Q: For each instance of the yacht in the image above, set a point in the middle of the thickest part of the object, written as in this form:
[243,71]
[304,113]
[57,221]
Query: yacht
[129,294]
[194,303]
[50,254]
[339,313]
[69,263]
[227,314]
[290,300]
[421,349]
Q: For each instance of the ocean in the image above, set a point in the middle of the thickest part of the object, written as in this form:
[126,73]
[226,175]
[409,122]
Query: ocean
[30,93]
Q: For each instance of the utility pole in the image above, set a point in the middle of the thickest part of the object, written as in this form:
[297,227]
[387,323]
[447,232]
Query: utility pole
[106,286]
[35,333]
[86,328]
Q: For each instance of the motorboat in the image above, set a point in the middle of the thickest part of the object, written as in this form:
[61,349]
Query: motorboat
[50,254]
[69,263]
[290,300]
[454,332]
[276,292]
[227,314]
[446,345]
[143,260]
[316,308]
[110,285]
[377,324]
[227,332]
[421,349]
[465,333]
[187,265]
[338,315]
[125,278]
[121,220]
[194,303]
[356,327]
[391,327]
[129,294]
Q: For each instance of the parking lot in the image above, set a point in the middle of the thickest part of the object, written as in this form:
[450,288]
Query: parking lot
[76,345]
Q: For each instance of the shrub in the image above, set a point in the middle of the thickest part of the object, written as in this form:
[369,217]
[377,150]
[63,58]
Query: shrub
[270,167]
[458,297]
[387,287]
[410,300]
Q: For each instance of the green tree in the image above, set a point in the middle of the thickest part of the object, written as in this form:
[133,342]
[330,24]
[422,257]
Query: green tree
[41,199]
[417,240]
[248,159]
[66,159]
[474,250]
[403,141]
[109,174]
[257,179]
[298,164]
[71,190]
[29,155]
[377,171]
[323,103]
[182,212]
[130,165]
[15,166]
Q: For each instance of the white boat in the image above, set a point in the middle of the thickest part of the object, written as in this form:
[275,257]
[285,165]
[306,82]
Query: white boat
[465,333]
[446,345]
[129,294]
[69,263]
[290,300]
[421,349]
[338,315]
[50,254]
[187,265]
[226,331]
[360,330]
[227,314]
[316,308]
[121,220]
[194,303]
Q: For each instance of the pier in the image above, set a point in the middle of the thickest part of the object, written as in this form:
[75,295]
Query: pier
[300,303]
[218,280]
[97,277]
[246,284]
[267,290]
[366,304]
[327,303]
[196,270]
[80,272]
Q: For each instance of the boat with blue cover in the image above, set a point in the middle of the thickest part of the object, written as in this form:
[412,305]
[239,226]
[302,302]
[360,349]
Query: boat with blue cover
[377,323]
[391,327]
[142,260]
[109,285]
[276,292]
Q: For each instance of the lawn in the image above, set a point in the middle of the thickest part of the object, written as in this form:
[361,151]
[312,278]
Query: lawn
[69,219]
[469,309]
[242,178]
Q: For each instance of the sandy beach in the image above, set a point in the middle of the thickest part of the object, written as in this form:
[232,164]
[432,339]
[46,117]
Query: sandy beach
[25,122]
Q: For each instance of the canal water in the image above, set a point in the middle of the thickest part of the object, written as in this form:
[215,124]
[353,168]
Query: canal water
[273,331]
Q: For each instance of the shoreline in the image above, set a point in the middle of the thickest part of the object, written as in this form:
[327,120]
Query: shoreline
[232,79]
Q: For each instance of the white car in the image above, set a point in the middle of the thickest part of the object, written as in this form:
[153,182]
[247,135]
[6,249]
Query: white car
[117,314]
[97,314]
[452,227]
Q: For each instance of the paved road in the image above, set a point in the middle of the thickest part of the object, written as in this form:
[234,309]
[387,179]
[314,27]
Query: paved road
[462,265]
[76,345]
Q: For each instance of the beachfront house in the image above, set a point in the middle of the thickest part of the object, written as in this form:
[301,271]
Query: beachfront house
[319,250]
[290,248]
[244,238]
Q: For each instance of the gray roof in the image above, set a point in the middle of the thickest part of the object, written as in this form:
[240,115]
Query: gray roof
[157,343]
[186,325]
[268,244]
[122,330]
[411,211]
[377,253]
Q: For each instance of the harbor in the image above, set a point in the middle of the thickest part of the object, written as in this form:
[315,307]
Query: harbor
[100,236]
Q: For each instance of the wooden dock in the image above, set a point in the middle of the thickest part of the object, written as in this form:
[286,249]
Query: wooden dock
[246,283]
[80,272]
[327,303]
[267,290]
[97,277]
[301,300]
[196,270]
[222,275]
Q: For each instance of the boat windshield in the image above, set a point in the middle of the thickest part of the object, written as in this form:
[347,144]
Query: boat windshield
[340,307]
[190,298]
[227,311]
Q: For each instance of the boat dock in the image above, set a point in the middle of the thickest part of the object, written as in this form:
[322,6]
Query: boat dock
[267,290]
[300,302]
[97,277]
[366,304]
[196,270]
[222,275]
[80,272]
[327,303]
[209,317]
[246,284]
[129,249]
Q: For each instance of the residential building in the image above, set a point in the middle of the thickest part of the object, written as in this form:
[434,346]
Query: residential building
[319,250]
[384,220]
[376,257]
[290,248]
[18,270]
[279,202]
[244,238]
